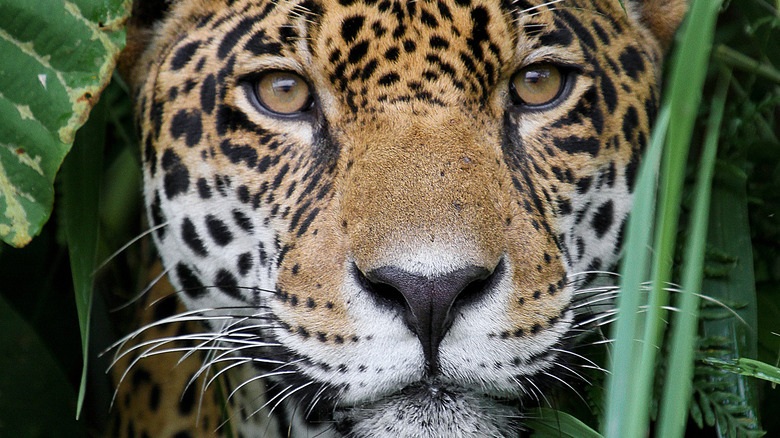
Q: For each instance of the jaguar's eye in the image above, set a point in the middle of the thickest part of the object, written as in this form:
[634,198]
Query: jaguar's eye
[536,85]
[283,92]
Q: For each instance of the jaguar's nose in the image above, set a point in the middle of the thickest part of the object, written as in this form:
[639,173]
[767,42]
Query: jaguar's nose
[428,304]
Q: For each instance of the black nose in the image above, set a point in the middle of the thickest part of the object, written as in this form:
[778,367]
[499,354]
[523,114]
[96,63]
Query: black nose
[428,302]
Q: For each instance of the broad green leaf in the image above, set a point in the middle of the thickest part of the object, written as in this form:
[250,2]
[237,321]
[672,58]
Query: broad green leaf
[57,56]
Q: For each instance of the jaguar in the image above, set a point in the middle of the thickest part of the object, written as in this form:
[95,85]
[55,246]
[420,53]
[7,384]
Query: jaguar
[378,216]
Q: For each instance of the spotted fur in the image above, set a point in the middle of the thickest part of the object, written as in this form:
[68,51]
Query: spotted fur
[401,258]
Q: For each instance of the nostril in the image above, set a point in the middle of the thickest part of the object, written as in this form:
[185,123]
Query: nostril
[425,302]
[477,289]
[384,295]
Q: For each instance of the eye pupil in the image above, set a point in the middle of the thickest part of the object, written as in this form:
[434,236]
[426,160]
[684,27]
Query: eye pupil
[283,93]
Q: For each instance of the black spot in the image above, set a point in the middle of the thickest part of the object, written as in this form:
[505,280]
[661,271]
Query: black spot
[245,263]
[242,221]
[564,206]
[428,19]
[259,44]
[409,46]
[187,400]
[184,55]
[369,69]
[227,283]
[389,79]
[632,62]
[218,230]
[609,174]
[437,42]
[238,153]
[155,114]
[157,215]
[189,282]
[357,52]
[188,124]
[392,53]
[154,397]
[630,122]
[306,222]
[608,92]
[575,144]
[444,10]
[229,119]
[603,218]
[204,191]
[600,32]
[150,155]
[583,185]
[536,328]
[190,236]
[575,23]
[234,36]
[631,169]
[177,177]
[556,37]
[243,194]
[208,94]
[351,27]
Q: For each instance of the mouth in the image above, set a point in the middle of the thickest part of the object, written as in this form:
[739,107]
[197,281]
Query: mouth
[430,409]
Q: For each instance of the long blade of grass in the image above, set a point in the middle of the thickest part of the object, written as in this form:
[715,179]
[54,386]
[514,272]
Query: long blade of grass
[677,389]
[634,271]
[629,390]
[80,191]
[689,69]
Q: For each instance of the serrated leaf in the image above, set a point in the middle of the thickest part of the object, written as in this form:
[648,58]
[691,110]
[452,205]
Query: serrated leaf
[58,55]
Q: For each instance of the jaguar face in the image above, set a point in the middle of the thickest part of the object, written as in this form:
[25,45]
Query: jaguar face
[386,208]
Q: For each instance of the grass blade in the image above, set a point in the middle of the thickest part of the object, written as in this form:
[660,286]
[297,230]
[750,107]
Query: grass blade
[677,389]
[629,392]
[633,273]
[80,190]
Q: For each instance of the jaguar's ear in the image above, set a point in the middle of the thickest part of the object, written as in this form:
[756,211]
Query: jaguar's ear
[146,13]
[661,17]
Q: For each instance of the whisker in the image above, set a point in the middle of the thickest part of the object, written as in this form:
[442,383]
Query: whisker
[127,245]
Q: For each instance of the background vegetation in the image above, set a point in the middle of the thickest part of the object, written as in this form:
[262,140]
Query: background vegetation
[737,240]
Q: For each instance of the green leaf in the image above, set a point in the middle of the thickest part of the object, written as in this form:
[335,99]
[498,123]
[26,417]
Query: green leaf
[80,188]
[747,367]
[57,57]
[677,388]
[556,424]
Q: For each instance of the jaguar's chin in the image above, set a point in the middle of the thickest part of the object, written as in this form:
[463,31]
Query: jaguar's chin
[429,409]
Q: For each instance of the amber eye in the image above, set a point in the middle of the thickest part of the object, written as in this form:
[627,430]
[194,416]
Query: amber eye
[283,92]
[536,84]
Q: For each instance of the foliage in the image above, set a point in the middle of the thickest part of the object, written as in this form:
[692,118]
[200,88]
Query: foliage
[741,256]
